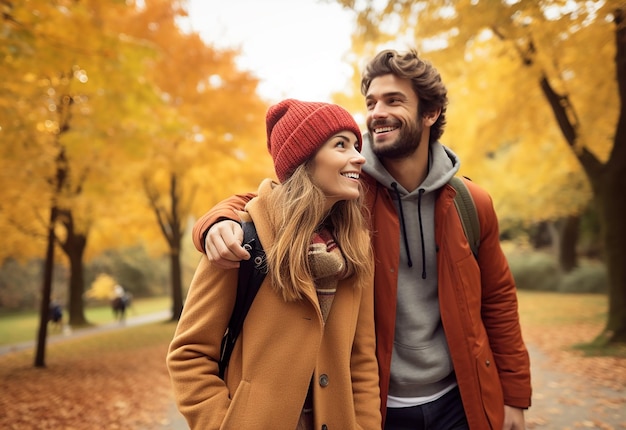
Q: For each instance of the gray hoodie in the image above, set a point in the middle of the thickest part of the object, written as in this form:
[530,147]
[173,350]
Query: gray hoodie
[421,363]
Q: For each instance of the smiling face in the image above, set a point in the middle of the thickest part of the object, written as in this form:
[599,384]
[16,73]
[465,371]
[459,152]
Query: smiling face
[336,168]
[392,117]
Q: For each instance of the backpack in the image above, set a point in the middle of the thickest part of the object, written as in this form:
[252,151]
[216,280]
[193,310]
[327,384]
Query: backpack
[251,275]
[467,212]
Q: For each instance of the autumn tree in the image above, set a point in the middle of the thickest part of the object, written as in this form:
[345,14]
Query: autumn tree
[499,59]
[211,125]
[69,85]
[134,113]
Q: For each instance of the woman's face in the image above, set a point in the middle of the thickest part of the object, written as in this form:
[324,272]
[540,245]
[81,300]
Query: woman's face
[336,168]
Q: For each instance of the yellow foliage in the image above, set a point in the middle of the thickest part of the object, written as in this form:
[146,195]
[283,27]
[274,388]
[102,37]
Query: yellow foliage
[102,288]
[493,57]
[129,100]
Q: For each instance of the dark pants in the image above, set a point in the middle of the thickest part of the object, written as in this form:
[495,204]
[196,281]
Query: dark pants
[445,413]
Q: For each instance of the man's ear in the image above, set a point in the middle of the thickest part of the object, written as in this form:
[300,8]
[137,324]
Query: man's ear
[431,117]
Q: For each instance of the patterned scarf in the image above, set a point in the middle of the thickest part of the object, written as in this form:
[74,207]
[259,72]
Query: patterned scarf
[327,267]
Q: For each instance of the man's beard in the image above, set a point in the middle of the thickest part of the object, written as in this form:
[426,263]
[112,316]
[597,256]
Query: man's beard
[406,144]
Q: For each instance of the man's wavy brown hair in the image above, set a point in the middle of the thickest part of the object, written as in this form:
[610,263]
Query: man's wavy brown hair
[425,80]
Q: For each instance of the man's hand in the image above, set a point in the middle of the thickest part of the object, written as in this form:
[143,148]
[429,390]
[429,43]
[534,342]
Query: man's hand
[223,244]
[513,418]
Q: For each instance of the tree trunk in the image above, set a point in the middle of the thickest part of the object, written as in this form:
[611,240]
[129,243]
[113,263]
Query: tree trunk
[568,256]
[613,208]
[44,312]
[176,229]
[74,247]
[608,181]
[177,284]
[76,289]
[609,184]
[170,222]
[541,235]
[555,237]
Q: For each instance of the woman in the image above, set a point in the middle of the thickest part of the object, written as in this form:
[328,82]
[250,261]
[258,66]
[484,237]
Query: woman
[306,355]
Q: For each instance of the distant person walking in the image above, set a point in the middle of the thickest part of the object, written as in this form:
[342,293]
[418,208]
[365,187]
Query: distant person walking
[120,303]
[55,315]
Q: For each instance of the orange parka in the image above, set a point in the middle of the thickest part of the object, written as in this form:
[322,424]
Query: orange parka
[477,300]
[283,347]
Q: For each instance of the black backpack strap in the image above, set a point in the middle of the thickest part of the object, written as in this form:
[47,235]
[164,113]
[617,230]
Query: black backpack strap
[251,275]
[466,209]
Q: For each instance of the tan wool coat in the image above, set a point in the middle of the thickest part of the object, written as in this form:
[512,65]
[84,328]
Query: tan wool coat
[283,347]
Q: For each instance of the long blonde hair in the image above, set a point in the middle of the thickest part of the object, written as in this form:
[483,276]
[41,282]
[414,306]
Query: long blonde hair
[297,211]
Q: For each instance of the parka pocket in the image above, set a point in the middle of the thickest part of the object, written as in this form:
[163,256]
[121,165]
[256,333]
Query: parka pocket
[490,387]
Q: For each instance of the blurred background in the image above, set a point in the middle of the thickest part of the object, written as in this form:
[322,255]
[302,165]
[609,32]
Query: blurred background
[122,122]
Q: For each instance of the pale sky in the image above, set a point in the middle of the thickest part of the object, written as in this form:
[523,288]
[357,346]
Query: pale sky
[294,46]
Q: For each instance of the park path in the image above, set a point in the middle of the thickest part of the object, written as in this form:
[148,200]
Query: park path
[561,401]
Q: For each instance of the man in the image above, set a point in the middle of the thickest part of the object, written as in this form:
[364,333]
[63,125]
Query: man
[449,343]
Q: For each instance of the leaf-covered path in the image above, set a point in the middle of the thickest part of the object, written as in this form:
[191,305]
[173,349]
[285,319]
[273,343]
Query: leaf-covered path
[570,391]
[569,401]
[127,385]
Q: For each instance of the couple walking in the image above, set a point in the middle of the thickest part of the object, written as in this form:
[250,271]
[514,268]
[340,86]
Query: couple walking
[416,334]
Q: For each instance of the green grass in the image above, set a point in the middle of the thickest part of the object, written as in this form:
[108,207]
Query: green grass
[561,309]
[542,309]
[567,311]
[599,347]
[24,326]
[128,340]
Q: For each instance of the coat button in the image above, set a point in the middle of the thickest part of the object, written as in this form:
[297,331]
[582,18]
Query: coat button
[324,381]
[324,427]
[487,363]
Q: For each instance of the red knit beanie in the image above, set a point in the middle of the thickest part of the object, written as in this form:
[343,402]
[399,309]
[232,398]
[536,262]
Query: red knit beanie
[297,129]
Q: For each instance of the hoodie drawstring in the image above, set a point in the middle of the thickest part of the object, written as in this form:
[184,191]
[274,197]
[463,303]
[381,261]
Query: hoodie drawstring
[406,239]
[394,185]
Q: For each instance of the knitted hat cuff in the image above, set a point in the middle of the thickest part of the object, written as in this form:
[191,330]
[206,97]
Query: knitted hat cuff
[297,130]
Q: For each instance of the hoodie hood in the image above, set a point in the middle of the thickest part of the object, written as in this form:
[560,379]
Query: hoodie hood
[443,164]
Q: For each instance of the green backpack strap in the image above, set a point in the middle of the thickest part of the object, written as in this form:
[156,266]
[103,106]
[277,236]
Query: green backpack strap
[467,212]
